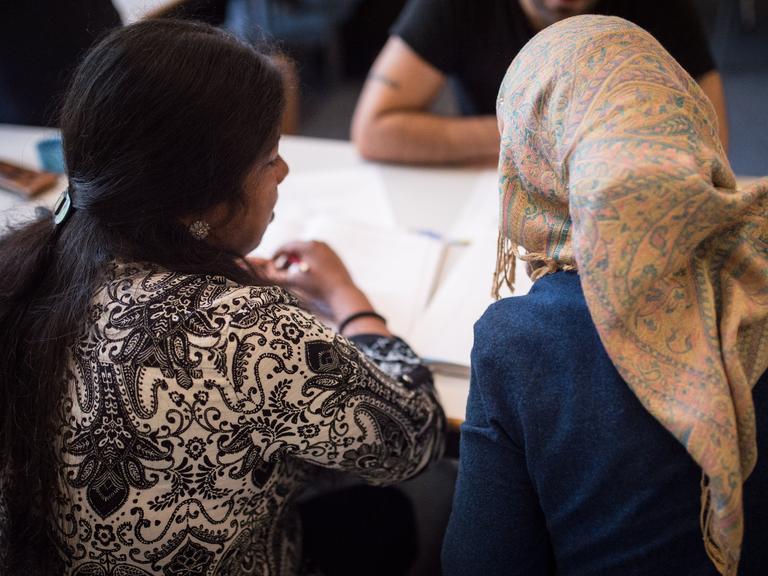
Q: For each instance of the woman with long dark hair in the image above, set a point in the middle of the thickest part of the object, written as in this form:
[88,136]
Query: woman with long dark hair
[163,401]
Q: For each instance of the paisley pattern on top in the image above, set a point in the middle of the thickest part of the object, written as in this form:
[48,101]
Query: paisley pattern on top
[611,164]
[198,409]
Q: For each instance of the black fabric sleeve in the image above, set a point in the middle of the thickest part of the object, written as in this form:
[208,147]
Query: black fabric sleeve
[431,29]
[394,357]
[685,38]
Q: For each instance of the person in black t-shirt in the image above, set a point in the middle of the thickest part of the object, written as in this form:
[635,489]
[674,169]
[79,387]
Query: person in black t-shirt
[473,43]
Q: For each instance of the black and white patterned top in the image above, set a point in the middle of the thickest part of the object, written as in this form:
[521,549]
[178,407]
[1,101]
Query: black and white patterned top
[198,409]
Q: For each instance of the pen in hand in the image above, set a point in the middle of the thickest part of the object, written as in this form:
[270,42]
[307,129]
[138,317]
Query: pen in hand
[291,263]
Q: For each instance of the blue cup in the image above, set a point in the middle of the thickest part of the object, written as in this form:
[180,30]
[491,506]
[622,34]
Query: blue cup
[51,155]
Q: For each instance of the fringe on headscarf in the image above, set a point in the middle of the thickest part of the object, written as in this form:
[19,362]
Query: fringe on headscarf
[538,262]
[505,266]
[725,564]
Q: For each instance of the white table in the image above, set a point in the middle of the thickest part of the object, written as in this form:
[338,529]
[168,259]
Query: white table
[18,144]
[421,198]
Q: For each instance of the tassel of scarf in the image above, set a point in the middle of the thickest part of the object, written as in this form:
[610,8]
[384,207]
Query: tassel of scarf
[505,266]
[724,563]
[539,265]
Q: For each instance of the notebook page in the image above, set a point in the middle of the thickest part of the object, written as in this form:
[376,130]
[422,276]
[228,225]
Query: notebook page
[480,213]
[444,332]
[395,268]
[278,233]
[356,195]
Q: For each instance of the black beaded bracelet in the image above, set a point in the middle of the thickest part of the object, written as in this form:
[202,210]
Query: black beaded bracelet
[352,317]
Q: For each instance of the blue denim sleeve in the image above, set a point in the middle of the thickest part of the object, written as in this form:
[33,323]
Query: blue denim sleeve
[496,525]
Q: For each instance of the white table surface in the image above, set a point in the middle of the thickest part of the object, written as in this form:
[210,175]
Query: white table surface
[421,199]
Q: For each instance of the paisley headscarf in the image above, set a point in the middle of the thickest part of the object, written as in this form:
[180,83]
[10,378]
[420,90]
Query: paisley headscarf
[611,165]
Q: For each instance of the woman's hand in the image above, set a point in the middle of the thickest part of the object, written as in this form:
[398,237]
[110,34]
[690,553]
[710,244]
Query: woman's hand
[312,268]
[316,273]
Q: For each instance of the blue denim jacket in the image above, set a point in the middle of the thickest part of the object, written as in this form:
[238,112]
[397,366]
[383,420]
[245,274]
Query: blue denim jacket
[562,471]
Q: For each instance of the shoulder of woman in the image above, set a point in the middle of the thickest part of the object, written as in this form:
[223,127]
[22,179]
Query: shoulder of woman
[555,307]
[260,307]
[506,319]
[251,297]
[222,301]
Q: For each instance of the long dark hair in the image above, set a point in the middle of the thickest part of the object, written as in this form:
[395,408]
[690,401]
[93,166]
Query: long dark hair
[162,119]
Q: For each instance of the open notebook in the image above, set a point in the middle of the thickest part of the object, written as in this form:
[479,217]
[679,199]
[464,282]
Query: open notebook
[431,291]
[443,333]
[395,268]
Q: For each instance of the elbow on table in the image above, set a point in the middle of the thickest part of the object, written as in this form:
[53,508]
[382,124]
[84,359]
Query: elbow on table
[368,138]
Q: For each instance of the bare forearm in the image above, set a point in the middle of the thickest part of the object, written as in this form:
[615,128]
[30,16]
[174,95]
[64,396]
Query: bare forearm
[348,300]
[422,138]
[392,122]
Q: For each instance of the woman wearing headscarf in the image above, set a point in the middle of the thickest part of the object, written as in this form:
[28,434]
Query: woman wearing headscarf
[616,412]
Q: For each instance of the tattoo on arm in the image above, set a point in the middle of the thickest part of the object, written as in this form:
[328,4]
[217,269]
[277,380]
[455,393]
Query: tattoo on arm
[384,80]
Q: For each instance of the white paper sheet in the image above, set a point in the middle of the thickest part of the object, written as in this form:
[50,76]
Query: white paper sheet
[395,268]
[480,213]
[356,195]
[444,332]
